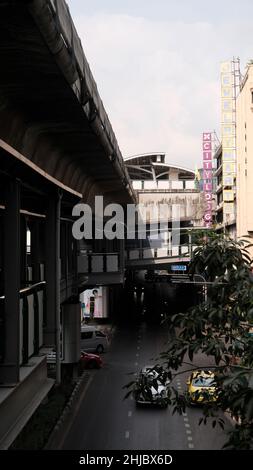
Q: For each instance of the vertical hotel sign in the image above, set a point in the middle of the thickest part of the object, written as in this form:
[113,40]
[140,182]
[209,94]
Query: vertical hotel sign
[228,127]
[207,177]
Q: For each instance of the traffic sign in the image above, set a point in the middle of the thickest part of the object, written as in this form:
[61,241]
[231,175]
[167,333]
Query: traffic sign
[178,267]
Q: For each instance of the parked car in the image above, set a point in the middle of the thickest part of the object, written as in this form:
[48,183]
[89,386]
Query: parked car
[86,361]
[92,339]
[152,387]
[202,387]
[90,361]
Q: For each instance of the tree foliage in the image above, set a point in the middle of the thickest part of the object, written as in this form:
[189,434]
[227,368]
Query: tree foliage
[220,329]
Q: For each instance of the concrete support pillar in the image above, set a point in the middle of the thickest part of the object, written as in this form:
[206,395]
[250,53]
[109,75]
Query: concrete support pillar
[71,323]
[52,269]
[9,369]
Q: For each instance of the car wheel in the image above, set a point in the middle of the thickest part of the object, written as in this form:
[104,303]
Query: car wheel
[100,349]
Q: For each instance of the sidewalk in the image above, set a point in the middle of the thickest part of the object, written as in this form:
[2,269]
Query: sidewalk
[69,412]
[65,421]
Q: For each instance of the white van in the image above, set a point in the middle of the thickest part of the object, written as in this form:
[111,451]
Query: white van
[92,339]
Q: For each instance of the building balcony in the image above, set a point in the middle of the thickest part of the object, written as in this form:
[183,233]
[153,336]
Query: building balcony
[101,268]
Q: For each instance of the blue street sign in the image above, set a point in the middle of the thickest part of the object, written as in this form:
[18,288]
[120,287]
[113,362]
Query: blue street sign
[178,267]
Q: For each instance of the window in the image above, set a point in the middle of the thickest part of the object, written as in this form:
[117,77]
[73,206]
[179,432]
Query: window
[86,334]
[28,241]
[100,334]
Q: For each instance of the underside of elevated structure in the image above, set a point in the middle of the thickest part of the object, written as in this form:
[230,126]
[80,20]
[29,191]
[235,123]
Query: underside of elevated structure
[50,109]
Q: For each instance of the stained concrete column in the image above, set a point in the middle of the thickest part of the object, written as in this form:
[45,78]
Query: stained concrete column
[52,268]
[9,369]
[51,272]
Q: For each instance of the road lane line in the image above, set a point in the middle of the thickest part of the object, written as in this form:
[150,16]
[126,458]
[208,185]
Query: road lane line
[188,431]
[191,446]
[187,425]
[136,363]
[137,355]
[189,438]
[127,434]
[129,414]
[186,419]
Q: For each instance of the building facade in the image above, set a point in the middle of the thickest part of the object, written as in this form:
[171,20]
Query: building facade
[224,222]
[244,112]
[158,182]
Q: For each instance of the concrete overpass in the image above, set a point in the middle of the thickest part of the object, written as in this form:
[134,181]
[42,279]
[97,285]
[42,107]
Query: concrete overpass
[57,147]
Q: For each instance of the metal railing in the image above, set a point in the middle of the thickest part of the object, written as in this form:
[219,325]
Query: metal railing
[31,321]
[98,263]
[184,250]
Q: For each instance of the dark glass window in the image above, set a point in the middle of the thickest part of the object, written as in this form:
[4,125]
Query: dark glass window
[86,334]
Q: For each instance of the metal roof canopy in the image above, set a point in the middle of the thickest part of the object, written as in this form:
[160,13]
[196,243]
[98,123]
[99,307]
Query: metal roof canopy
[149,165]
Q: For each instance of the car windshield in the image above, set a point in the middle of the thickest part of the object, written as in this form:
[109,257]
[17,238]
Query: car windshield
[151,374]
[203,382]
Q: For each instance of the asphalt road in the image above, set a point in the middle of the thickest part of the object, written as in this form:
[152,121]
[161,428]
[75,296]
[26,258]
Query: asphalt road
[105,421]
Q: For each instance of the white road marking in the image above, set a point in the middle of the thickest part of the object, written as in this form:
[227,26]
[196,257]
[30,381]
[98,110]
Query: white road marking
[189,438]
[184,414]
[186,419]
[191,446]
[127,434]
[188,431]
[131,397]
[136,363]
[138,347]
[187,425]
[137,355]
[129,414]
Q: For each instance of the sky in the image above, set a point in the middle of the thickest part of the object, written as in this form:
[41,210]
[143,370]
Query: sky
[157,67]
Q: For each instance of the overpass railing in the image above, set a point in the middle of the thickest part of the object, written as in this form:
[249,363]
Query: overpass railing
[98,263]
[156,253]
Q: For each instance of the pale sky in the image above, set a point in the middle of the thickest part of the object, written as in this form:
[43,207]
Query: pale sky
[156,64]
